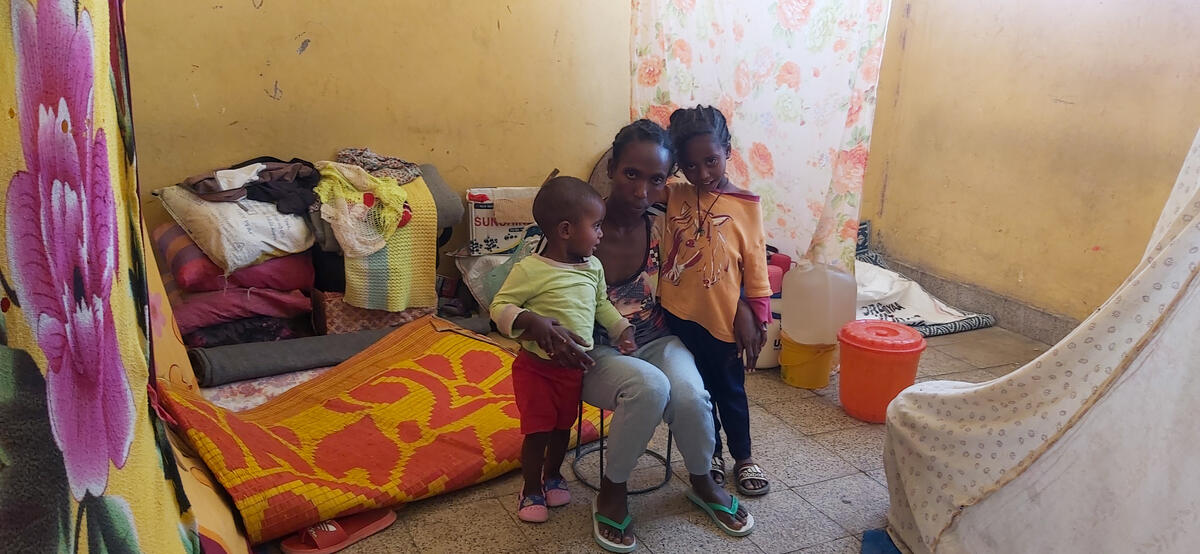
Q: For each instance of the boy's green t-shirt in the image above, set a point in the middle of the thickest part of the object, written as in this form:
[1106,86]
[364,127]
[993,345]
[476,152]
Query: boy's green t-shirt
[574,294]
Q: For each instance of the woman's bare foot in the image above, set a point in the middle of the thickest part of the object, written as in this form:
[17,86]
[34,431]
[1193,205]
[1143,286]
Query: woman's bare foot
[709,491]
[611,503]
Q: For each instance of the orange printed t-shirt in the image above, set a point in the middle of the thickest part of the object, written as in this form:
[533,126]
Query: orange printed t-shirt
[708,254]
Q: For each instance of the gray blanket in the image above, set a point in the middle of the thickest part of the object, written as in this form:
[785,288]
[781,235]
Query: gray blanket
[226,364]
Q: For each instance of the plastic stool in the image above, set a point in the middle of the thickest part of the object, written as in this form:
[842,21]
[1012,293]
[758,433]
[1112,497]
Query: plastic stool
[598,446]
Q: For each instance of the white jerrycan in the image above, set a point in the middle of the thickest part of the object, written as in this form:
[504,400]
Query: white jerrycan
[817,301]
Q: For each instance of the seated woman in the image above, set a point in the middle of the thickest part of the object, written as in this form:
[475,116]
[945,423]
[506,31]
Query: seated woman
[658,382]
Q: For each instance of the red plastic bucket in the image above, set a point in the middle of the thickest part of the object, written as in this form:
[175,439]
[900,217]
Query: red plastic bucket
[878,359]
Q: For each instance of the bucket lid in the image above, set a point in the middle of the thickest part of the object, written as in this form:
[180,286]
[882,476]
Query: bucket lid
[885,336]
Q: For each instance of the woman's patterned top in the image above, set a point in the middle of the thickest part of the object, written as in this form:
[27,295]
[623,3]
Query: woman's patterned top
[636,298]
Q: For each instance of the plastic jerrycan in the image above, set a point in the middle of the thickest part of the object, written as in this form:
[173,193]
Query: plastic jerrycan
[817,301]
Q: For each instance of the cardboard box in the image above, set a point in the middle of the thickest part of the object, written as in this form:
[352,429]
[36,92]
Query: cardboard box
[489,235]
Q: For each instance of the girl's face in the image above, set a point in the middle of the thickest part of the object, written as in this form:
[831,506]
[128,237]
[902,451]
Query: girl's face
[639,176]
[703,162]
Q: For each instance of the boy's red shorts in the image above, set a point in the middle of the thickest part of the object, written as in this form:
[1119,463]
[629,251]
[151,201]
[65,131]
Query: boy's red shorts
[547,393]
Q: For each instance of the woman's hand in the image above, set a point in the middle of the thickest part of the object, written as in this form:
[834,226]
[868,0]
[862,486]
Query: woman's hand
[748,335]
[560,343]
[625,343]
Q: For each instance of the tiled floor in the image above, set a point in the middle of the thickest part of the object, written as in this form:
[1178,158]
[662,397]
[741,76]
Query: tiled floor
[826,468]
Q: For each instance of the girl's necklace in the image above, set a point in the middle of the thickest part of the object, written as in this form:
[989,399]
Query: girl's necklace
[707,213]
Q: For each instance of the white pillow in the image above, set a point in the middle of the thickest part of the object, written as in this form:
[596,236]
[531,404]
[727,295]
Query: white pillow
[236,234]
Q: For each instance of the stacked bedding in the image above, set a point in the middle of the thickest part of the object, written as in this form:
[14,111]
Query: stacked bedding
[256,303]
[262,302]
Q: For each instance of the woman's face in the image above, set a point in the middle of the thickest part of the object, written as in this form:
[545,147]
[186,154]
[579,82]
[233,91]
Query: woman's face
[639,176]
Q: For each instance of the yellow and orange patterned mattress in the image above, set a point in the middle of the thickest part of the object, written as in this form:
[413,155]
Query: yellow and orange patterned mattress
[427,410]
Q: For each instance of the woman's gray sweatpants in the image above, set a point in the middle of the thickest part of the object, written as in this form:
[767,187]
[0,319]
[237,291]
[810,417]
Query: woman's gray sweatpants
[659,382]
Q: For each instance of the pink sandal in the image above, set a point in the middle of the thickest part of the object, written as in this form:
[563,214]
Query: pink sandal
[532,508]
[557,493]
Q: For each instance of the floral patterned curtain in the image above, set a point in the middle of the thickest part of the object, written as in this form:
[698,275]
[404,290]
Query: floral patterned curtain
[796,79]
[82,463]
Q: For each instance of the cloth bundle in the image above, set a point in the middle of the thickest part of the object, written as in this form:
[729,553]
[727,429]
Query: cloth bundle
[379,213]
[402,274]
[361,210]
[287,185]
[235,261]
[379,165]
[248,330]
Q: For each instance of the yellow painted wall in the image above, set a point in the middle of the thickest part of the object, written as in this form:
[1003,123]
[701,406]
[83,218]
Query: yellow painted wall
[1027,147]
[493,93]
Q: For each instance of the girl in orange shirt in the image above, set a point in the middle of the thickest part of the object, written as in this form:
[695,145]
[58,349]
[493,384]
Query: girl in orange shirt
[714,252]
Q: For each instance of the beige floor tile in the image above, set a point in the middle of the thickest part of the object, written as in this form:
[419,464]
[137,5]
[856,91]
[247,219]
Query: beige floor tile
[847,545]
[972,376]
[669,500]
[879,475]
[479,526]
[658,443]
[501,487]
[691,531]
[571,546]
[784,522]
[993,347]
[830,391]
[589,466]
[651,476]
[952,338]
[792,459]
[861,446]
[936,362]
[566,466]
[813,415]
[764,425]
[765,386]
[1002,370]
[392,539]
[855,502]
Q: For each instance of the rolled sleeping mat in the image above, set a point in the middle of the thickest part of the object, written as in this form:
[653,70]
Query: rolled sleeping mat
[238,362]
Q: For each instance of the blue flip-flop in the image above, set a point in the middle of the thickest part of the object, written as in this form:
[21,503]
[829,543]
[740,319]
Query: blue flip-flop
[604,543]
[711,508]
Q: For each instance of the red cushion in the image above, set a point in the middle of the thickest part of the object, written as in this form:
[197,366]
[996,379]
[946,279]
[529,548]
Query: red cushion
[210,308]
[194,272]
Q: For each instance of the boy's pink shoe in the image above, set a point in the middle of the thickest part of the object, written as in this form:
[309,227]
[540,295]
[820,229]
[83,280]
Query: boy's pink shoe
[532,508]
[557,493]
